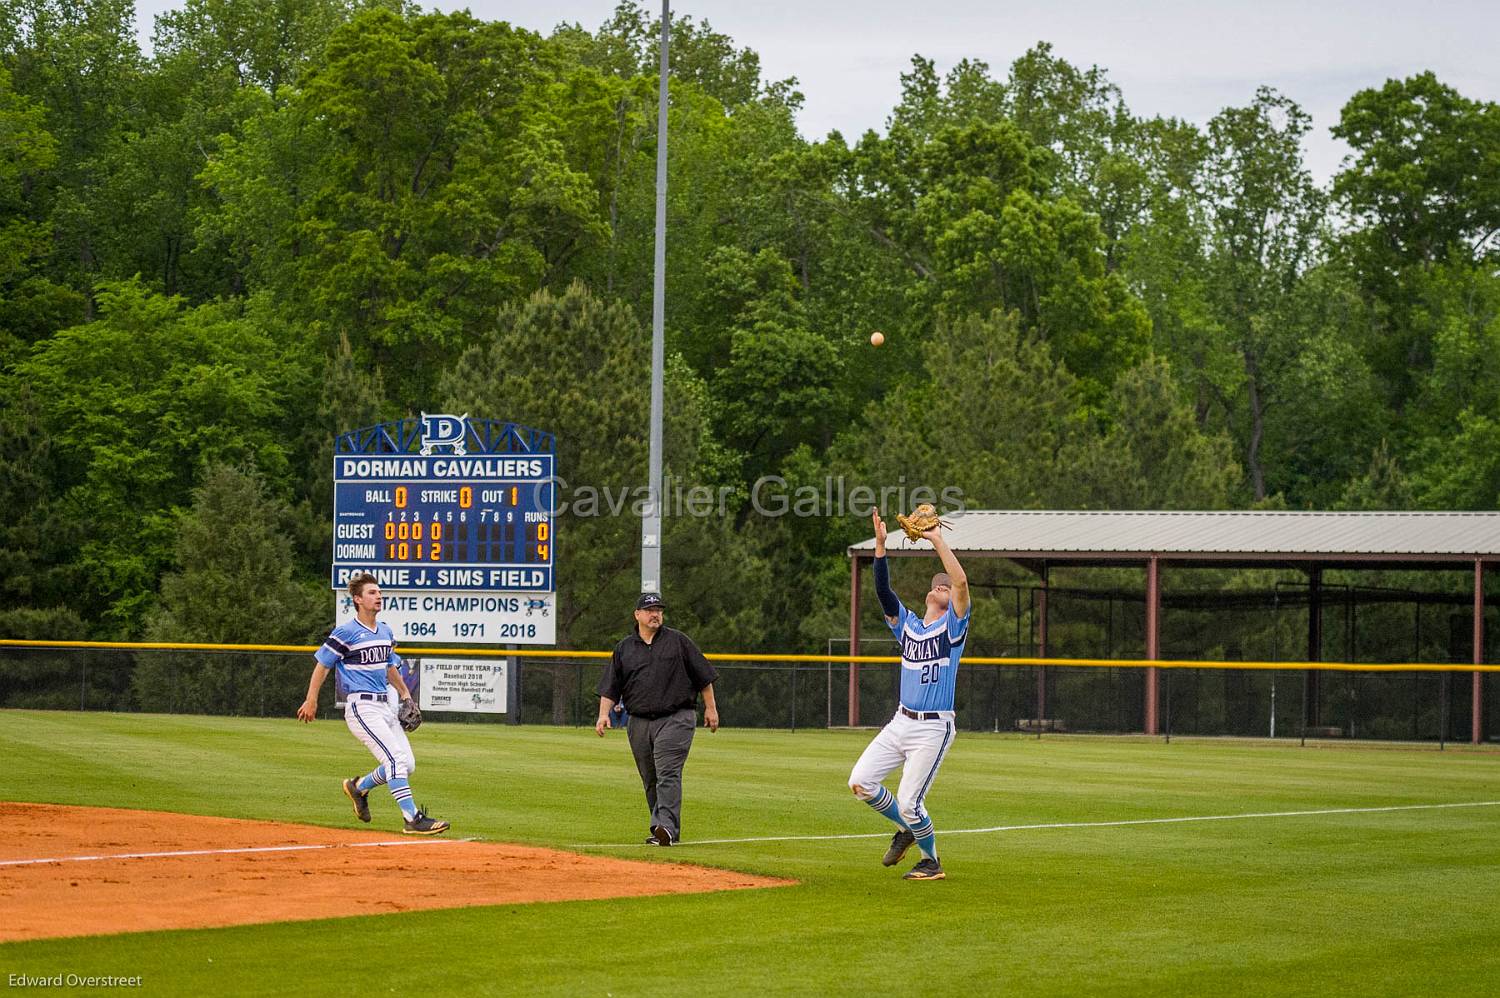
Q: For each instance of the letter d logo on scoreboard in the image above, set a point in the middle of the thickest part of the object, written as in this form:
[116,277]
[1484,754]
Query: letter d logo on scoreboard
[441,430]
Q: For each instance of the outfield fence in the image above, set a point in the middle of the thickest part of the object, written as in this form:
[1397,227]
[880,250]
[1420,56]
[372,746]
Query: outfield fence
[1405,701]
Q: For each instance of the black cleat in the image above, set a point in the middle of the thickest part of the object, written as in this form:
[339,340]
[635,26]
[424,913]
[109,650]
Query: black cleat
[927,869]
[423,825]
[361,800]
[659,836]
[900,842]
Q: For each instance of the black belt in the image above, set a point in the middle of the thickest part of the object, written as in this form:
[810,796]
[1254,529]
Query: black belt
[367,696]
[930,715]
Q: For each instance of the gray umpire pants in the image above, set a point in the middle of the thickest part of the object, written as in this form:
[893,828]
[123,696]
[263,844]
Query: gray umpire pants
[660,746]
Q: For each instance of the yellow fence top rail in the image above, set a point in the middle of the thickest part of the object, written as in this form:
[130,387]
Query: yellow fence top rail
[535,653]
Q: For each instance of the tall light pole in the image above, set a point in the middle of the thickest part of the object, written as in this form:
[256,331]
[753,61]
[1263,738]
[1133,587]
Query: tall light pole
[651,518]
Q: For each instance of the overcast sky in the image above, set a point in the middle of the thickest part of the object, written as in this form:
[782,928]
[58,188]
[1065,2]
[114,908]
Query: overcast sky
[1178,58]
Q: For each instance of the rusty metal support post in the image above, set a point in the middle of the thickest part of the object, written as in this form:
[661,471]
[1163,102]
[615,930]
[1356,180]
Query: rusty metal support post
[1153,641]
[1312,679]
[1041,672]
[1476,726]
[854,641]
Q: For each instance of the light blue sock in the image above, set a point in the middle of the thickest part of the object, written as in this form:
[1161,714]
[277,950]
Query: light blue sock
[401,790]
[885,803]
[926,837]
[371,780]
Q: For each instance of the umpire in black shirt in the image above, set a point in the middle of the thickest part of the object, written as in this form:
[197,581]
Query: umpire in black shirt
[658,672]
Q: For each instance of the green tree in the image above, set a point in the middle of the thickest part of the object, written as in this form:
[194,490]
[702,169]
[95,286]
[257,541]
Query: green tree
[1153,454]
[37,535]
[1080,119]
[1331,414]
[53,680]
[413,184]
[1421,188]
[81,63]
[261,44]
[1265,213]
[1085,142]
[727,126]
[606,125]
[777,388]
[711,202]
[215,65]
[1452,423]
[628,44]
[137,403]
[971,213]
[1383,485]
[966,95]
[351,397]
[1166,261]
[993,418]
[31,305]
[1424,177]
[1461,470]
[231,582]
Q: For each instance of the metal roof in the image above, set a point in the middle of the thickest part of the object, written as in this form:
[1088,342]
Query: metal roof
[1219,537]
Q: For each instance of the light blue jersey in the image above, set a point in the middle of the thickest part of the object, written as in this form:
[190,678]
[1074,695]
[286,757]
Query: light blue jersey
[360,654]
[929,658]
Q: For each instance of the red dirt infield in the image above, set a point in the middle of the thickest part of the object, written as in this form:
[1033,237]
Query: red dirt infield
[77,871]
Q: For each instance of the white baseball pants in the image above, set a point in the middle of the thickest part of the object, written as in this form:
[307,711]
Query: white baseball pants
[916,746]
[373,722]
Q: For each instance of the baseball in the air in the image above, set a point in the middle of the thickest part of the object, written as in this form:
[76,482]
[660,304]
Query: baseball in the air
[877,338]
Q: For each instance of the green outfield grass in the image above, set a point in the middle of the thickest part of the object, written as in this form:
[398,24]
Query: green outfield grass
[1387,903]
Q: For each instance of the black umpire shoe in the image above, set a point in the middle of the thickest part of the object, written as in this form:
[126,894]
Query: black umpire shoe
[659,836]
[423,825]
[360,798]
[900,842]
[927,869]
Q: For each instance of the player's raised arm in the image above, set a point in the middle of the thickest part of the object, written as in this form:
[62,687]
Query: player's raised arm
[883,591]
[957,580]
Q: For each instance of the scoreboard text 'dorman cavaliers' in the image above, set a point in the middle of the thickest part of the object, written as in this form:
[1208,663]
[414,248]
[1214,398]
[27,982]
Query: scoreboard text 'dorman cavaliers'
[467,522]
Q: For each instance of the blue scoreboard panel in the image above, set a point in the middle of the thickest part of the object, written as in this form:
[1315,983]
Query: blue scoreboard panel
[466,522]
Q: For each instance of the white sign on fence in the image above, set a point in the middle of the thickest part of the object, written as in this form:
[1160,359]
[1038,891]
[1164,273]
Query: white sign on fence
[463,684]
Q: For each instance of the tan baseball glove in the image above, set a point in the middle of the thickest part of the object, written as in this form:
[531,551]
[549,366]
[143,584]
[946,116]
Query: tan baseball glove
[923,518]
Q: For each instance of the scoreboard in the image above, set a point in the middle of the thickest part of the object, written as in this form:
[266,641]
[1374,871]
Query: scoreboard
[477,522]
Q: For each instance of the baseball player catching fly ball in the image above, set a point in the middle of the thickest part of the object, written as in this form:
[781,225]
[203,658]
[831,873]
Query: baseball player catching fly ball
[921,732]
[361,651]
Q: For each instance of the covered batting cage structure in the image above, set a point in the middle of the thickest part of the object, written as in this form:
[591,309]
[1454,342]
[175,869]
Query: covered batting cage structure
[1147,551]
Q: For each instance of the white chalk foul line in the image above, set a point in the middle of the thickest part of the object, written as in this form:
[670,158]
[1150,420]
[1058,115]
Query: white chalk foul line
[1074,824]
[228,852]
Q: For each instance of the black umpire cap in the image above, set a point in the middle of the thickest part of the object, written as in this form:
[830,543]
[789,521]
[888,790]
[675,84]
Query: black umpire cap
[649,601]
